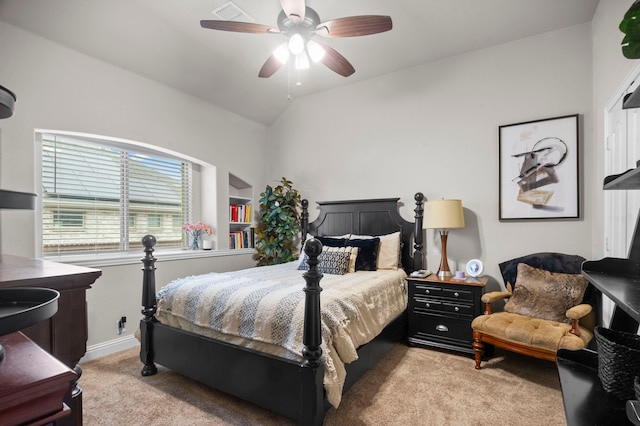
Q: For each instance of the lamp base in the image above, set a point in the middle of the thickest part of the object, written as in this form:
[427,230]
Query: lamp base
[445,274]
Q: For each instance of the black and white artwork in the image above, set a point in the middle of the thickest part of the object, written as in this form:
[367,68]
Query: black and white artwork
[539,169]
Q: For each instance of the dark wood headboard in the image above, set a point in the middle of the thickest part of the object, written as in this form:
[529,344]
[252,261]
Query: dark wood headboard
[370,217]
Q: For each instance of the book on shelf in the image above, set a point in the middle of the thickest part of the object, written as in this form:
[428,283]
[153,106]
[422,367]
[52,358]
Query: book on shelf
[242,239]
[240,213]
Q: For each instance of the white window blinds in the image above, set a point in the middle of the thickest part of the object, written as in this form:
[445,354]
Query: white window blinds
[97,197]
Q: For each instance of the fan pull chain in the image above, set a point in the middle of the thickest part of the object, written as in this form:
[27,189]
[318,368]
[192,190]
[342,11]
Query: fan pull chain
[289,81]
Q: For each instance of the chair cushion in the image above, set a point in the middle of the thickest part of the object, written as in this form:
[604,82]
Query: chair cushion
[528,331]
[545,295]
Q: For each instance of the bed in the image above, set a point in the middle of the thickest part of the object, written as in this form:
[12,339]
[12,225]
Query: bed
[292,386]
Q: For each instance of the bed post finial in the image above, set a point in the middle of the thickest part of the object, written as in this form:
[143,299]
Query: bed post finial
[418,257]
[304,219]
[148,306]
[312,333]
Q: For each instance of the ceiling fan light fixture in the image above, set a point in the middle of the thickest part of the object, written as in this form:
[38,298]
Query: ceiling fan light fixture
[296,44]
[282,53]
[302,61]
[316,52]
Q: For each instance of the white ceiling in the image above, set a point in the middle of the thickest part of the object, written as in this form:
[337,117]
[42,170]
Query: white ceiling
[162,40]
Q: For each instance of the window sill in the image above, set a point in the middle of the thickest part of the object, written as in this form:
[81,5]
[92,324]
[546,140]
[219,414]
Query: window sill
[135,257]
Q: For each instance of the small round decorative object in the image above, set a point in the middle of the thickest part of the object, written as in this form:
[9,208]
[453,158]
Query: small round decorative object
[474,268]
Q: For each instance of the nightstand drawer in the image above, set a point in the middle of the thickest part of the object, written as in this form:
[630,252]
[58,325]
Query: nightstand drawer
[423,305]
[428,290]
[457,292]
[433,326]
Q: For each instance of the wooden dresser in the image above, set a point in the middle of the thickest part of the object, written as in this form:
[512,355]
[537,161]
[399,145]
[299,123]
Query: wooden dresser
[65,334]
[34,384]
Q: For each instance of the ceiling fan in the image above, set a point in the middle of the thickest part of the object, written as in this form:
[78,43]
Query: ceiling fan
[299,23]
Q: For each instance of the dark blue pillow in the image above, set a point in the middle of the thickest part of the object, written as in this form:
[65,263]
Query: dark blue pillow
[332,242]
[367,253]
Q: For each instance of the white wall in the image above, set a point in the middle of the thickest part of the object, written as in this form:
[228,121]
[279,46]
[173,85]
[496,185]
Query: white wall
[434,128]
[60,89]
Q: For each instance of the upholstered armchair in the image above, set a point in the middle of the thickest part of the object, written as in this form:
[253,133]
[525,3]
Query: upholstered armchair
[549,306]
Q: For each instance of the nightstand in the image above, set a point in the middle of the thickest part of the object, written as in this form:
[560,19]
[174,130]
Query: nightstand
[440,311]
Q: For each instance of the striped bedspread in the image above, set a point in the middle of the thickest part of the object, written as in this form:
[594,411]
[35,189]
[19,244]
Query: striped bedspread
[263,308]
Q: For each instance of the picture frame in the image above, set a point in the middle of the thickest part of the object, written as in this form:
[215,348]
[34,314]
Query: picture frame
[538,169]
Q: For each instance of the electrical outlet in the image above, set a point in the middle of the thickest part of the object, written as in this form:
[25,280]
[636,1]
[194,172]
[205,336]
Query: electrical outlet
[121,325]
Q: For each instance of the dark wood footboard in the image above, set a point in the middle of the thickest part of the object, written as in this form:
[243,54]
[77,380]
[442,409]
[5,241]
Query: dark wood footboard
[287,387]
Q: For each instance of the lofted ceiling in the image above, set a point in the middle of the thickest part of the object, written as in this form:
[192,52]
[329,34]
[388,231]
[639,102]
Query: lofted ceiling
[163,40]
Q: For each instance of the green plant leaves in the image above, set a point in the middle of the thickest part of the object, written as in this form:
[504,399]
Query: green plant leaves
[279,224]
[630,26]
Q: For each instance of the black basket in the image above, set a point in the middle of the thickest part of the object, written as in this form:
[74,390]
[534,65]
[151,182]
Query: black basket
[618,361]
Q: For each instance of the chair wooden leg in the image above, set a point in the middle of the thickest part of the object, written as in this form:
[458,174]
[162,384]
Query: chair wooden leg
[478,348]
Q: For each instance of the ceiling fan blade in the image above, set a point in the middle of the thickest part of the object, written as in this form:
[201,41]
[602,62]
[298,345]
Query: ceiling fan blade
[335,61]
[353,26]
[239,27]
[294,9]
[270,67]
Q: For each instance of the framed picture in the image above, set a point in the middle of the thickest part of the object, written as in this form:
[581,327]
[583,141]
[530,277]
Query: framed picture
[539,169]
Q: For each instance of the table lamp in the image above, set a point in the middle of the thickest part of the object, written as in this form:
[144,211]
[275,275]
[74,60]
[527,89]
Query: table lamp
[443,215]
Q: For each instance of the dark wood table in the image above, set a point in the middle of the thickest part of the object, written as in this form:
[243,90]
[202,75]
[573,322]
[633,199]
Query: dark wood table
[65,334]
[33,384]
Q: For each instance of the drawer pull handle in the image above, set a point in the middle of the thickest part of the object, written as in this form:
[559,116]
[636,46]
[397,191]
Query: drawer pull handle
[427,305]
[442,328]
[456,294]
[456,309]
[426,291]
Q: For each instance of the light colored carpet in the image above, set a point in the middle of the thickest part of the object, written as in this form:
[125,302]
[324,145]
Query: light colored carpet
[409,386]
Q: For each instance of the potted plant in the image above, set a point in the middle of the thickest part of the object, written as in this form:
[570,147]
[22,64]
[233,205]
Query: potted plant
[630,26]
[279,224]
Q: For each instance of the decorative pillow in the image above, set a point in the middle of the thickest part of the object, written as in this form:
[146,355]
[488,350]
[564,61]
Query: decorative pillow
[367,253]
[545,295]
[353,255]
[549,261]
[326,242]
[332,241]
[389,251]
[331,262]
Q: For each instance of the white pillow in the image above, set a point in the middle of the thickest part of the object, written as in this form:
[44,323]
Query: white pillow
[389,251]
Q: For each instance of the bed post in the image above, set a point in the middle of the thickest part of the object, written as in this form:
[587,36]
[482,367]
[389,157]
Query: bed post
[148,306]
[304,220]
[418,256]
[311,372]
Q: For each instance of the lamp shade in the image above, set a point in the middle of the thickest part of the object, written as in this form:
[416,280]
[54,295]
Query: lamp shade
[443,214]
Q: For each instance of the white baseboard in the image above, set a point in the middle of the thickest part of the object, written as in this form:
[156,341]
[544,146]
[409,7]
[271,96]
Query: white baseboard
[110,347]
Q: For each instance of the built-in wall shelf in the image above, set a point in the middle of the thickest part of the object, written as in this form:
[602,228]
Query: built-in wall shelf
[241,233]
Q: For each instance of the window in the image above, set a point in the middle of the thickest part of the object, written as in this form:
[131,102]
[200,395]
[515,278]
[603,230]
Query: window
[155,220]
[68,219]
[99,196]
